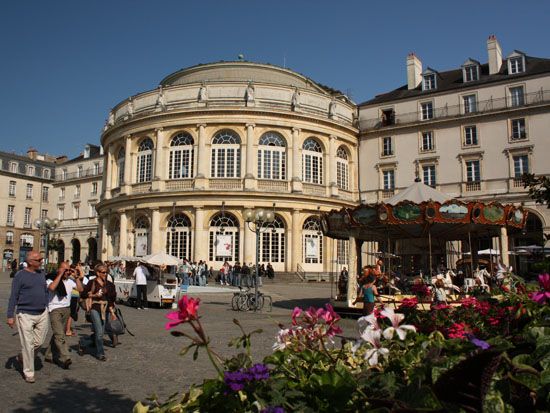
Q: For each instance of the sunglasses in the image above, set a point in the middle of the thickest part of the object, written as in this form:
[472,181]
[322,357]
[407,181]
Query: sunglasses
[37,260]
[102,272]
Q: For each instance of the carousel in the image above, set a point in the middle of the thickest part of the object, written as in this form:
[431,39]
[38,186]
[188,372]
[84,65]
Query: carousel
[423,236]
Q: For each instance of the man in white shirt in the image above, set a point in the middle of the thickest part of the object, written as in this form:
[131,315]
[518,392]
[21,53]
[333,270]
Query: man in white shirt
[141,273]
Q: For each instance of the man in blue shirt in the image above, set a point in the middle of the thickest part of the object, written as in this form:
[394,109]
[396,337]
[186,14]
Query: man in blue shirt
[29,294]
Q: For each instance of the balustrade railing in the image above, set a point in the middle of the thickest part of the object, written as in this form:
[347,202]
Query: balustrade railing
[225,184]
[180,185]
[312,189]
[272,186]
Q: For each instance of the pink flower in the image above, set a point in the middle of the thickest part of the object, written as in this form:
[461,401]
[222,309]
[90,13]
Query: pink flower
[330,315]
[468,302]
[408,303]
[187,311]
[441,307]
[457,330]
[544,281]
[295,314]
[543,295]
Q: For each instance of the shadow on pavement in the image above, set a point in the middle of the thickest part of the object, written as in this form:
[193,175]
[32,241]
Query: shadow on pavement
[301,302]
[77,396]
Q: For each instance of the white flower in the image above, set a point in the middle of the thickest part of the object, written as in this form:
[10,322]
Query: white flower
[368,321]
[283,339]
[373,338]
[372,355]
[396,319]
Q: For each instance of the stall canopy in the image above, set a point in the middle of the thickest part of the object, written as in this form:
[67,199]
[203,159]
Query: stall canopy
[161,258]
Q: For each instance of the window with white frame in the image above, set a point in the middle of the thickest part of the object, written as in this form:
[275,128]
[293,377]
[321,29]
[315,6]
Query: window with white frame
[226,155]
[473,170]
[180,165]
[96,168]
[13,167]
[79,171]
[471,73]
[30,170]
[342,251]
[77,191]
[470,103]
[10,216]
[92,213]
[11,188]
[223,237]
[387,146]
[76,211]
[61,193]
[521,165]
[94,188]
[26,240]
[142,234]
[516,64]
[388,177]
[428,175]
[427,143]
[145,161]
[178,236]
[272,156]
[120,160]
[312,241]
[470,135]
[517,96]
[43,214]
[45,193]
[46,173]
[427,110]
[342,169]
[9,237]
[27,217]
[272,242]
[312,162]
[518,129]
[64,174]
[428,81]
[61,212]
[29,191]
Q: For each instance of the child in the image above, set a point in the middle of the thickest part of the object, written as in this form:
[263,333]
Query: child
[440,295]
[367,294]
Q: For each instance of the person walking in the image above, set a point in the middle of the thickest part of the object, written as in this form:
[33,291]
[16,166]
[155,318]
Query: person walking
[270,271]
[60,289]
[29,295]
[141,273]
[368,294]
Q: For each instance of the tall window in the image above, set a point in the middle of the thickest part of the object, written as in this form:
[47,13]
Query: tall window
[181,157]
[26,240]
[77,191]
[428,81]
[387,146]
[518,129]
[312,162]
[120,161]
[470,135]
[141,241]
[428,174]
[342,169]
[471,73]
[10,216]
[45,193]
[145,161]
[27,218]
[272,156]
[342,251]
[521,165]
[92,213]
[61,193]
[427,110]
[470,103]
[61,212]
[223,238]
[76,211]
[79,171]
[515,65]
[178,237]
[427,143]
[64,174]
[312,241]
[473,171]
[517,97]
[226,155]
[43,213]
[94,188]
[46,173]
[389,179]
[9,237]
[13,167]
[96,168]
[30,170]
[29,191]
[11,188]
[272,242]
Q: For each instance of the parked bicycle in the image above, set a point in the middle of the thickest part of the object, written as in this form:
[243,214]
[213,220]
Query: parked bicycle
[245,300]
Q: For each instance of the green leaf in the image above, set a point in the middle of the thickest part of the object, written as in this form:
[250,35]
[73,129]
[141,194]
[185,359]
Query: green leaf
[196,353]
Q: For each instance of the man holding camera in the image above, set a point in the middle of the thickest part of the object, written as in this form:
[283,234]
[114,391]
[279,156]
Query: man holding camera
[60,289]
[30,295]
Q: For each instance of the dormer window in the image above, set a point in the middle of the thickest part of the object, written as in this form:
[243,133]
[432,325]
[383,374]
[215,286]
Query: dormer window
[470,70]
[428,81]
[516,63]
[86,152]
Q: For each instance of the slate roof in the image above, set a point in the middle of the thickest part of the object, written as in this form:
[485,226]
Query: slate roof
[452,80]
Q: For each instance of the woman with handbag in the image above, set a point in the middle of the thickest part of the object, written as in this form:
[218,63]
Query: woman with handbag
[100,296]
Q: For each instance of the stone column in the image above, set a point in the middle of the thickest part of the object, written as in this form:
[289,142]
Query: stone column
[201,181]
[249,238]
[331,166]
[103,245]
[352,276]
[108,173]
[296,241]
[123,239]
[504,246]
[296,161]
[159,175]
[249,177]
[200,245]
[155,231]
[127,164]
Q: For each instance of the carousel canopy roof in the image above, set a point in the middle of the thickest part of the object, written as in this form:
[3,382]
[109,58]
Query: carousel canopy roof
[418,192]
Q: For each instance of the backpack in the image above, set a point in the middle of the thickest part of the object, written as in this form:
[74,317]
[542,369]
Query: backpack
[116,327]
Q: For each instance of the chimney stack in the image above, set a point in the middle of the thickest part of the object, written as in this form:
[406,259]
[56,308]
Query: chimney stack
[494,53]
[414,71]
[32,153]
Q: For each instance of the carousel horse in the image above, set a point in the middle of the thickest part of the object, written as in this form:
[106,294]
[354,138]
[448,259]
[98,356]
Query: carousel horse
[447,281]
[480,276]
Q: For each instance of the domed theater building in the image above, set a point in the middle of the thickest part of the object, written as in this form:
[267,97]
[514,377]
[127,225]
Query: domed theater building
[184,161]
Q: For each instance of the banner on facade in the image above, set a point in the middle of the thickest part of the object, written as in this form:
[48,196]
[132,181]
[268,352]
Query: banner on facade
[312,247]
[141,245]
[224,245]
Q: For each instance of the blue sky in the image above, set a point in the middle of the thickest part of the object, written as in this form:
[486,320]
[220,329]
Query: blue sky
[66,63]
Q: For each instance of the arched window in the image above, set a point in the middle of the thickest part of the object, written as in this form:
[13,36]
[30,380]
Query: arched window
[226,155]
[272,156]
[223,238]
[141,243]
[178,239]
[181,157]
[9,237]
[272,242]
[120,160]
[26,240]
[145,161]
[342,169]
[312,241]
[312,162]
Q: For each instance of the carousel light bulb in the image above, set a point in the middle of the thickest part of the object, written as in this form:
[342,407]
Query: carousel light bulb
[37,223]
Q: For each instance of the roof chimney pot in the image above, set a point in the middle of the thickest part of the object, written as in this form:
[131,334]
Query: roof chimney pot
[494,53]
[414,71]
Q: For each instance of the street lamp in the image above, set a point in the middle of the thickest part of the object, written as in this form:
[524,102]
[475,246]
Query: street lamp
[46,225]
[258,221]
